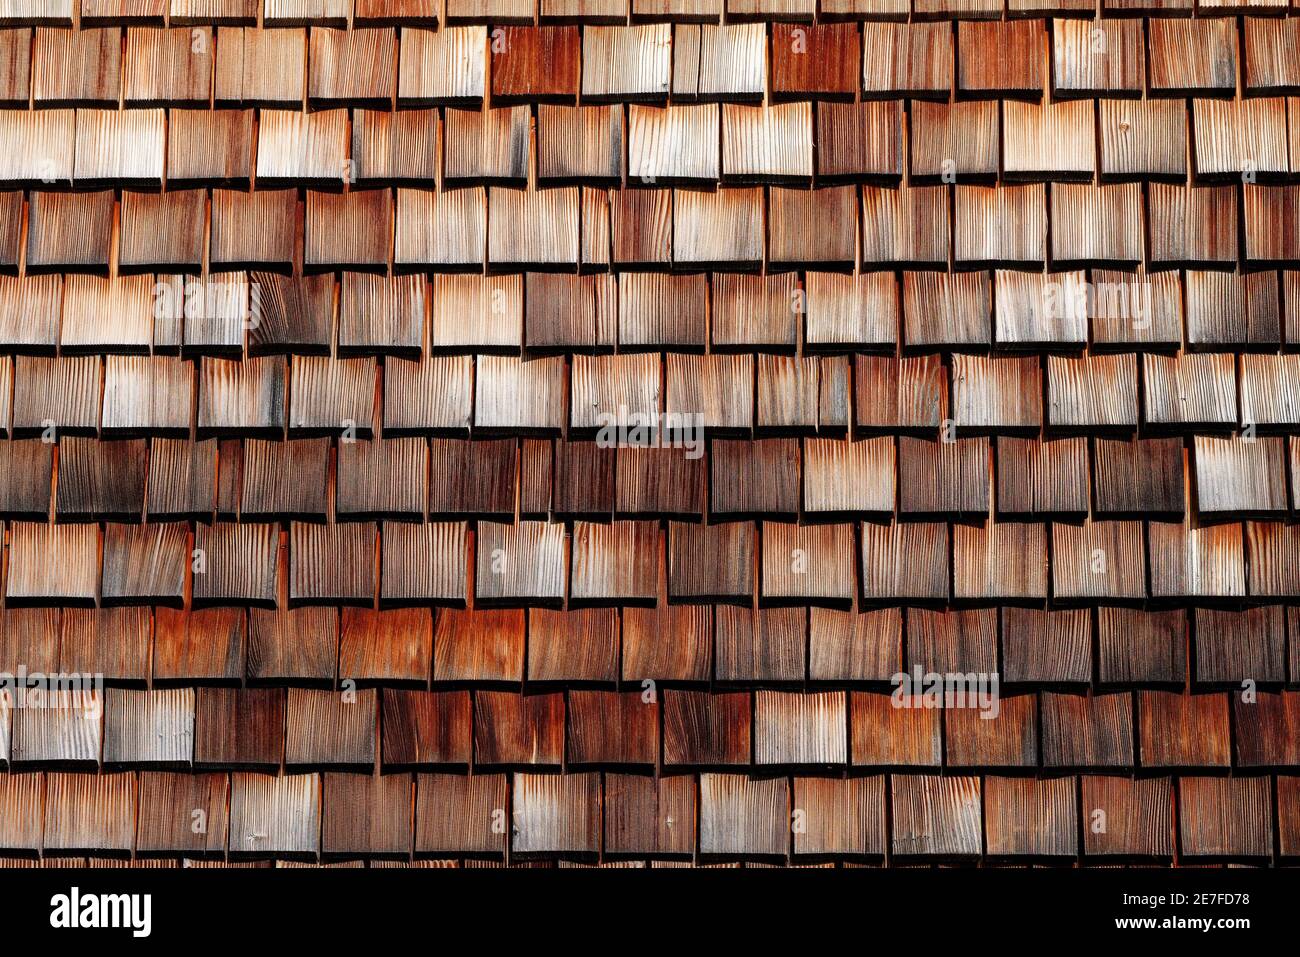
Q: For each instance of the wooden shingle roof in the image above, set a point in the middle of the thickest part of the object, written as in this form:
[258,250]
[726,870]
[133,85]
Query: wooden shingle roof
[544,431]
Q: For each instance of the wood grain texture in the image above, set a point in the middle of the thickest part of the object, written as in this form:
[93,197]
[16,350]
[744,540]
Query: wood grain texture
[445,65]
[143,563]
[69,230]
[822,60]
[808,562]
[667,642]
[1054,139]
[754,477]
[1190,389]
[999,560]
[936,816]
[239,563]
[536,63]
[712,61]
[1082,65]
[1138,816]
[907,58]
[1265,729]
[769,644]
[854,646]
[999,393]
[1138,476]
[478,645]
[645,814]
[718,387]
[1236,647]
[673,143]
[905,560]
[67,732]
[607,727]
[842,309]
[1179,730]
[454,813]
[1087,730]
[1133,646]
[393,645]
[515,394]
[1092,390]
[794,728]
[945,309]
[840,816]
[520,561]
[943,477]
[166,813]
[1233,475]
[52,562]
[859,139]
[724,226]
[1196,561]
[556,812]
[905,225]
[581,645]
[330,729]
[1222,817]
[361,814]
[974,737]
[253,228]
[615,562]
[148,727]
[242,728]
[351,65]
[766,143]
[957,138]
[100,479]
[626,63]
[1024,816]
[511,728]
[1229,310]
[87,812]
[1188,55]
[167,65]
[1000,225]
[275,814]
[741,815]
[210,644]
[77,66]
[113,642]
[423,728]
[260,67]
[1272,546]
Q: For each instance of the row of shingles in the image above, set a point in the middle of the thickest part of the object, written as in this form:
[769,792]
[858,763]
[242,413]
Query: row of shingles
[931,226]
[791,143]
[524,564]
[585,814]
[1068,225]
[815,480]
[343,12]
[980,727]
[1069,648]
[359,315]
[656,61]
